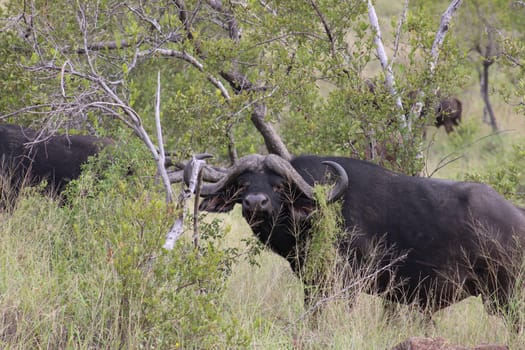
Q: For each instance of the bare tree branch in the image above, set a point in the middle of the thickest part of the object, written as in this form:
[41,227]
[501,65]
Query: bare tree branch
[154,23]
[162,155]
[397,39]
[273,142]
[194,62]
[446,17]
[383,59]
[194,179]
[103,45]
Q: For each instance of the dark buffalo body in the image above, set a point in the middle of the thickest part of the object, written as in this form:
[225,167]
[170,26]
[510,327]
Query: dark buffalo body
[28,159]
[448,113]
[447,110]
[456,235]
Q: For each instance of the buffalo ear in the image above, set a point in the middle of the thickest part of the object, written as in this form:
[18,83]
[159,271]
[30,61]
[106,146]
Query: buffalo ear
[216,204]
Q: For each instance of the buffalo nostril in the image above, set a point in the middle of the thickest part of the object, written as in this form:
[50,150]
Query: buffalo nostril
[256,202]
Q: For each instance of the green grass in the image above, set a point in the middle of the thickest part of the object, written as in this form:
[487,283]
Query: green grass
[268,300]
[92,275]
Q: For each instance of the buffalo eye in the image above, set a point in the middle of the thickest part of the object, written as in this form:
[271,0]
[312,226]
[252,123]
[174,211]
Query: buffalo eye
[242,185]
[279,188]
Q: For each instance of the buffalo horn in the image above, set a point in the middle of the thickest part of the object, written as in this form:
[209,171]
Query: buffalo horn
[250,162]
[256,162]
[342,182]
[285,169]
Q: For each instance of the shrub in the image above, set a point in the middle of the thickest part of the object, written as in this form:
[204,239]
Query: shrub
[91,273]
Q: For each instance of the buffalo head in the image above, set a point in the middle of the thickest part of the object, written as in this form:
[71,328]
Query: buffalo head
[275,198]
[448,113]
[263,185]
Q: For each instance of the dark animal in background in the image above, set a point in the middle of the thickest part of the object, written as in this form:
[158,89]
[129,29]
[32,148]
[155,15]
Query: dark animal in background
[460,238]
[448,113]
[25,159]
[447,110]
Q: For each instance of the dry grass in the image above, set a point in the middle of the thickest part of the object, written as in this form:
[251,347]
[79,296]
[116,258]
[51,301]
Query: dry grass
[269,302]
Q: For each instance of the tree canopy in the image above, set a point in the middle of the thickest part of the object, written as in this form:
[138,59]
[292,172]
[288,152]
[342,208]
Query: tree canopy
[285,77]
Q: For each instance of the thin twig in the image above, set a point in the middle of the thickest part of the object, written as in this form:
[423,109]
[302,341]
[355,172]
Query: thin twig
[397,39]
[325,26]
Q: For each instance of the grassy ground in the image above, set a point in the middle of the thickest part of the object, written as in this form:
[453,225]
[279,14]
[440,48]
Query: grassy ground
[91,275]
[81,278]
[269,301]
[54,299]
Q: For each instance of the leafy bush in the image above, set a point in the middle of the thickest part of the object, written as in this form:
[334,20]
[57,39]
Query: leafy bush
[507,177]
[92,273]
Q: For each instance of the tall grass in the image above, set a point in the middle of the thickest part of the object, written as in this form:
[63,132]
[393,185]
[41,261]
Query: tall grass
[269,301]
[90,273]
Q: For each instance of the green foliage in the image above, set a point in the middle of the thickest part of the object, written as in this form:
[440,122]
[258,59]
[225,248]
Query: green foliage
[507,177]
[92,273]
[14,80]
[307,63]
[319,272]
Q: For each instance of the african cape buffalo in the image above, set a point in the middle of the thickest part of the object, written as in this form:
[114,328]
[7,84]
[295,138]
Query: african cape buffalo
[448,113]
[28,159]
[447,110]
[456,239]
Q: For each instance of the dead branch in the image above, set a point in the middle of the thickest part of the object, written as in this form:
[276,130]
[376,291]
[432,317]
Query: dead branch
[162,156]
[446,17]
[196,209]
[192,175]
[397,39]
[210,174]
[103,45]
[383,59]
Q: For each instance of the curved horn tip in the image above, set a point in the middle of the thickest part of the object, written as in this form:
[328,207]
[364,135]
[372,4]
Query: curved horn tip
[342,182]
